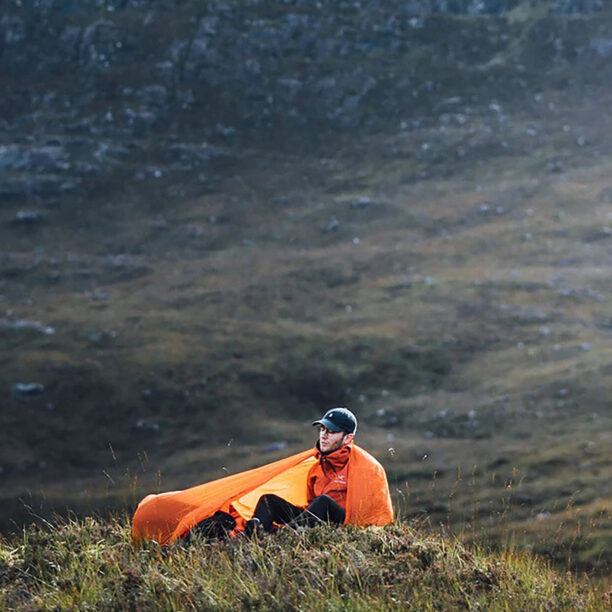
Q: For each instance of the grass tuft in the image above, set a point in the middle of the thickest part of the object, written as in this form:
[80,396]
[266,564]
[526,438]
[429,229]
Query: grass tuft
[90,564]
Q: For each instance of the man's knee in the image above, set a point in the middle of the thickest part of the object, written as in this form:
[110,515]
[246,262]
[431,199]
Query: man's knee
[326,508]
[322,501]
[270,499]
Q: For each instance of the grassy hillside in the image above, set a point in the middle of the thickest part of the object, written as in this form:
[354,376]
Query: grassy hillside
[465,319]
[91,565]
[206,291]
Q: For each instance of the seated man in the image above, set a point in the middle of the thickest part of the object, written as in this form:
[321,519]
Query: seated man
[327,480]
[337,482]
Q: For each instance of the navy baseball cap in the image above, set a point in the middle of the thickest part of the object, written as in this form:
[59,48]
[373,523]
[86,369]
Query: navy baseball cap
[339,419]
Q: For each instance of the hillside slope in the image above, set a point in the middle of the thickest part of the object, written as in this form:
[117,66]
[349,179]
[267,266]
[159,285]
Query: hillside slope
[219,220]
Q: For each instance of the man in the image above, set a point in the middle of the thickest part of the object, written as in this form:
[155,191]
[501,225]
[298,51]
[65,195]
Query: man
[327,480]
[336,482]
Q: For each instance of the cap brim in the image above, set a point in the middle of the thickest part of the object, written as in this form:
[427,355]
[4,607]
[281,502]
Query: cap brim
[327,423]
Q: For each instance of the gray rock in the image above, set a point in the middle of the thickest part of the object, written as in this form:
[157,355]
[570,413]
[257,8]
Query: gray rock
[70,41]
[101,44]
[577,6]
[166,71]
[152,94]
[26,391]
[187,156]
[288,89]
[185,97]
[140,120]
[606,195]
[146,426]
[28,217]
[275,446]
[102,338]
[12,30]
[207,26]
[176,51]
[600,47]
[18,324]
[39,159]
[201,53]
[361,202]
[332,226]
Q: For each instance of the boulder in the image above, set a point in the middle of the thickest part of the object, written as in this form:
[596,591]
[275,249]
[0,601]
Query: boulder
[26,391]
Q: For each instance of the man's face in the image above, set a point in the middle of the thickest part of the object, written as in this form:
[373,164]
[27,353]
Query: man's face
[330,441]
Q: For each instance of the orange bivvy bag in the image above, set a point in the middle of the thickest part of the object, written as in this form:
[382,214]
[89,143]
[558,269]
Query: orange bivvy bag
[168,516]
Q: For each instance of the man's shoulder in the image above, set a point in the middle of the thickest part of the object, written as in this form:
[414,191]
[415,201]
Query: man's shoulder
[361,458]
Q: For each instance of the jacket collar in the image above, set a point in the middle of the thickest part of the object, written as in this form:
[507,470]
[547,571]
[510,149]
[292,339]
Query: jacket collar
[337,459]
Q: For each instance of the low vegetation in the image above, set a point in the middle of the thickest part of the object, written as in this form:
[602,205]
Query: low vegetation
[441,267]
[92,565]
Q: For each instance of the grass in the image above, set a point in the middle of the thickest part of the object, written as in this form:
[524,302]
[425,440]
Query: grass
[90,564]
[198,323]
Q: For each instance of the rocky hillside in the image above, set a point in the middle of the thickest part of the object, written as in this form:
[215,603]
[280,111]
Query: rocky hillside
[100,92]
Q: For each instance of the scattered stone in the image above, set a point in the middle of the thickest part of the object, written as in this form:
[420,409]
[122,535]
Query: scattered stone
[51,158]
[362,202]
[26,391]
[13,29]
[225,130]
[99,296]
[152,94]
[23,324]
[28,217]
[102,337]
[601,47]
[147,426]
[189,156]
[101,44]
[275,446]
[606,195]
[332,226]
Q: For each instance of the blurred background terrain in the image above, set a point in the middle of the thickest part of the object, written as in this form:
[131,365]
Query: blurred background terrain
[220,219]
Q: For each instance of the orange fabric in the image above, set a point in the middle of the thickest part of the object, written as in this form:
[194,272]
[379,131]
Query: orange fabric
[329,476]
[168,516]
[368,499]
[290,485]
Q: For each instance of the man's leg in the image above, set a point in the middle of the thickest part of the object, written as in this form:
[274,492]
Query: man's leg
[322,509]
[216,526]
[274,509]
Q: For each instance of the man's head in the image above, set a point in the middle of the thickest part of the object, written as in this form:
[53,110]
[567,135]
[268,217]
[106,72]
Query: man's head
[337,428]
